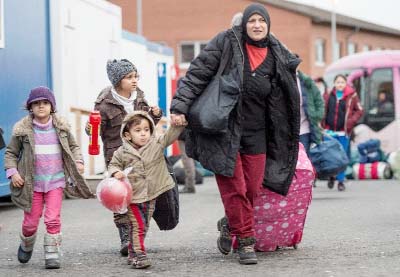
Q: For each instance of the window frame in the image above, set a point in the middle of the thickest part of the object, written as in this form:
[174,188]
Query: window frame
[366,48]
[320,42]
[338,50]
[2,35]
[197,49]
[351,44]
[374,121]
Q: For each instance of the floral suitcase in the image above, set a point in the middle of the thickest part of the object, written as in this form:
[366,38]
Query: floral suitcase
[279,220]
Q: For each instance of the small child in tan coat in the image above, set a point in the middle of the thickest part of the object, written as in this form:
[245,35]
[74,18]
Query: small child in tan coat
[142,150]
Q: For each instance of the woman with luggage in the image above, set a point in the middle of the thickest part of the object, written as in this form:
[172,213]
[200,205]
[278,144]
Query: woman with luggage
[264,121]
[342,111]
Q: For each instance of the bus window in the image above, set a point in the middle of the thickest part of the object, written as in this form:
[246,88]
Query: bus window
[380,100]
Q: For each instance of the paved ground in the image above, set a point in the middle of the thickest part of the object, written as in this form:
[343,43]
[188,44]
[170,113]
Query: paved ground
[352,233]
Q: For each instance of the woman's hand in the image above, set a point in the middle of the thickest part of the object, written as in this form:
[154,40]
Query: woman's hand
[17,180]
[156,111]
[80,167]
[119,175]
[178,120]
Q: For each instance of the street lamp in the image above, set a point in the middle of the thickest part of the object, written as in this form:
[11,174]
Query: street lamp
[333,29]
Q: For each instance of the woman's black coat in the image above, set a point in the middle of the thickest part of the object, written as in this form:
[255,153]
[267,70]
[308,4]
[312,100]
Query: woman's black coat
[218,152]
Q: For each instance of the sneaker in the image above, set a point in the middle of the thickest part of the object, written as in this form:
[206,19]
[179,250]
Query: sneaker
[246,252]
[224,240]
[141,261]
[331,182]
[341,186]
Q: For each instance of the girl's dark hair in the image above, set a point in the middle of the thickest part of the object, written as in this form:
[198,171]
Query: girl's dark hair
[340,75]
[136,120]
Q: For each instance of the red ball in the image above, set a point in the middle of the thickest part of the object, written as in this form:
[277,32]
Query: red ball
[114,194]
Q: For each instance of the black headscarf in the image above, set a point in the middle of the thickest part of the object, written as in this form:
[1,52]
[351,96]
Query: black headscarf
[248,12]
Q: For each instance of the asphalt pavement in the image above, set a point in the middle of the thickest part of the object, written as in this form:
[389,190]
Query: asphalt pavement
[351,233]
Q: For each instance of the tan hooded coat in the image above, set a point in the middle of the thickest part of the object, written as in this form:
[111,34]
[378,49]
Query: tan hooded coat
[150,176]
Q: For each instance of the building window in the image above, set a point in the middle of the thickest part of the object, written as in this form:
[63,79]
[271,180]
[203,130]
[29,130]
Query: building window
[319,52]
[2,39]
[351,48]
[189,50]
[366,48]
[337,51]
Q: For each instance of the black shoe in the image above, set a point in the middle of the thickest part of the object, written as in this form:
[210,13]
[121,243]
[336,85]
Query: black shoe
[341,186]
[224,240]
[247,255]
[123,230]
[24,256]
[188,190]
[331,183]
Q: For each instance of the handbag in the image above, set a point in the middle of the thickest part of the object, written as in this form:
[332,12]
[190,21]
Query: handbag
[209,113]
[329,158]
[166,212]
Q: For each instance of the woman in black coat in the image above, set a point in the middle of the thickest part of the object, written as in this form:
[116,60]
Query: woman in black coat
[264,122]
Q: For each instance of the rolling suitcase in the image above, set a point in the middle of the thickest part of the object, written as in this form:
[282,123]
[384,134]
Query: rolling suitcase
[279,220]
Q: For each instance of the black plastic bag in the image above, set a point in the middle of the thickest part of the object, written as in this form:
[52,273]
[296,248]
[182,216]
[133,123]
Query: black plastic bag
[166,213]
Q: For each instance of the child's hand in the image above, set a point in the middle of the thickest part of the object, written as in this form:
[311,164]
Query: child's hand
[17,180]
[156,111]
[119,175]
[87,128]
[80,167]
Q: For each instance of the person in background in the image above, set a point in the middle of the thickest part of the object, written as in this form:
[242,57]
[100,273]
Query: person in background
[114,103]
[265,121]
[188,163]
[40,159]
[312,109]
[342,111]
[384,106]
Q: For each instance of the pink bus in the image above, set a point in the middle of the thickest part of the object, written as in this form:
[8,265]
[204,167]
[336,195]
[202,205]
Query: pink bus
[376,77]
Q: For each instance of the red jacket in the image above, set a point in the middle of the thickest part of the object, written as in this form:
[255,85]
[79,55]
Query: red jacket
[354,110]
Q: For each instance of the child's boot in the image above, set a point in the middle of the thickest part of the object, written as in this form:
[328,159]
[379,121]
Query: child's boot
[52,243]
[247,255]
[123,230]
[224,240]
[26,248]
[140,261]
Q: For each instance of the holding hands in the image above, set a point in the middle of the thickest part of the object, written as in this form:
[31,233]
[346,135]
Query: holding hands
[178,120]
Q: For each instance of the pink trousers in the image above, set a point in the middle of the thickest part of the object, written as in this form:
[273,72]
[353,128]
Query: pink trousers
[52,201]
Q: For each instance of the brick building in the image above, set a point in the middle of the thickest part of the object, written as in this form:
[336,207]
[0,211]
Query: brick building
[186,26]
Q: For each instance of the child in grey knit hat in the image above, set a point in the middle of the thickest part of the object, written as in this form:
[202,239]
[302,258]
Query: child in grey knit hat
[114,103]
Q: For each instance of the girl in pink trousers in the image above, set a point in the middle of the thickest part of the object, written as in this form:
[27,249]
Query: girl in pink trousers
[40,159]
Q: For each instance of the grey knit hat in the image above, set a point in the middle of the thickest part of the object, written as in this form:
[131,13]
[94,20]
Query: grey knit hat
[118,69]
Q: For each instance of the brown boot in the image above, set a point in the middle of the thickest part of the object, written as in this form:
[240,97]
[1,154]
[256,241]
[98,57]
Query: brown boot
[246,252]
